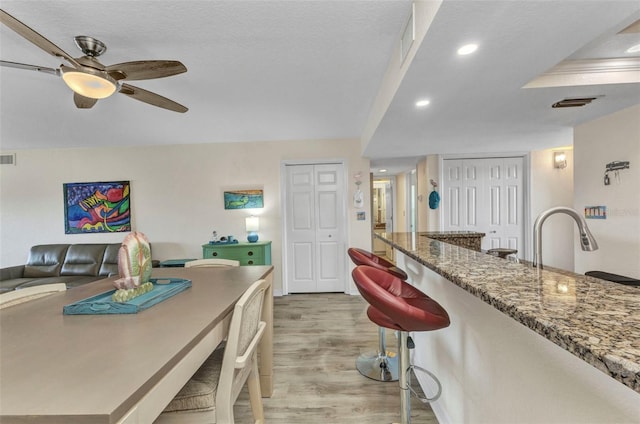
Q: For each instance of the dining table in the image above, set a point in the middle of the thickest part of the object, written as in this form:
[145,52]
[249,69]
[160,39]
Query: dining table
[119,368]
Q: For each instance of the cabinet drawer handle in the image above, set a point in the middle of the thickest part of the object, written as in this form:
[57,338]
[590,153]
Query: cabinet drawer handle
[215,254]
[250,262]
[250,253]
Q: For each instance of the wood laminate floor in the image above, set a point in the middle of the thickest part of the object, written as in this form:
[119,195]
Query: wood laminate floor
[317,340]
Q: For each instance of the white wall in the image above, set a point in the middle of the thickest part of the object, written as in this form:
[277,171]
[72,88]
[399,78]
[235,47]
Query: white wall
[611,138]
[176,193]
[552,187]
[428,169]
[400,217]
[423,190]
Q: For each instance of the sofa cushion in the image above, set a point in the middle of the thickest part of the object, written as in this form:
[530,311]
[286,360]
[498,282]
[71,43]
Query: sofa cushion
[83,259]
[82,280]
[45,260]
[8,285]
[11,272]
[110,260]
[71,281]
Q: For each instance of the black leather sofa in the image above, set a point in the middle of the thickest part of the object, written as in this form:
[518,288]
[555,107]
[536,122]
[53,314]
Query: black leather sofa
[72,264]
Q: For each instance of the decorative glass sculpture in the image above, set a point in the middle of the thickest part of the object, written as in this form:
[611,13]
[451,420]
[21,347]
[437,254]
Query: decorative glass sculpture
[134,267]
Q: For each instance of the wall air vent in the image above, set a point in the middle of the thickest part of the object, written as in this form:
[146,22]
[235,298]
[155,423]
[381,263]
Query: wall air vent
[8,159]
[573,102]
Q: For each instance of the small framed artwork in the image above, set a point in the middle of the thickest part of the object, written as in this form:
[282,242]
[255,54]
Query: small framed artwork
[243,199]
[100,207]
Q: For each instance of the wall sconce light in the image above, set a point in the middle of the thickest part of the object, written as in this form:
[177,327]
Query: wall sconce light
[253,225]
[559,160]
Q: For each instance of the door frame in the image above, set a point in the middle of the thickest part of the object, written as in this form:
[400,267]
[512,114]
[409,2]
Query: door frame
[283,208]
[526,187]
[411,212]
[392,206]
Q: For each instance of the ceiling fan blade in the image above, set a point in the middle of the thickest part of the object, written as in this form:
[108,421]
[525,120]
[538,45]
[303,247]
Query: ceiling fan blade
[44,69]
[145,69]
[37,39]
[83,102]
[151,98]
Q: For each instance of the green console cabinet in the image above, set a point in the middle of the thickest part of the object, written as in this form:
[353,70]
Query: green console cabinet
[258,253]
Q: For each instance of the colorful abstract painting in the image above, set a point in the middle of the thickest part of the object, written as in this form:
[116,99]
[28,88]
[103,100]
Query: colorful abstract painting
[102,207]
[243,199]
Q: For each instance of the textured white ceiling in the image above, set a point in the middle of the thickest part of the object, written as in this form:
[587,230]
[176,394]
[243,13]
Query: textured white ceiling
[257,70]
[310,69]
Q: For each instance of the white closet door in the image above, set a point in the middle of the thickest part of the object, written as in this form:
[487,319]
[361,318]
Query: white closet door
[301,223]
[315,225]
[485,195]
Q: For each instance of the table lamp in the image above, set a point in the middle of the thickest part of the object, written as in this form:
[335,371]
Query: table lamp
[253,225]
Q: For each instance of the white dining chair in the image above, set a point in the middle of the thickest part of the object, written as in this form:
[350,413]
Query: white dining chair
[211,263]
[15,297]
[209,396]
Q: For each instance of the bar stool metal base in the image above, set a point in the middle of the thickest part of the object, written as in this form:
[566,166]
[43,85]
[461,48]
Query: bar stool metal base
[404,345]
[381,365]
[377,366]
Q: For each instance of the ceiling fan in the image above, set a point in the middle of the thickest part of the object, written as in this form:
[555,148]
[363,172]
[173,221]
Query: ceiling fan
[89,79]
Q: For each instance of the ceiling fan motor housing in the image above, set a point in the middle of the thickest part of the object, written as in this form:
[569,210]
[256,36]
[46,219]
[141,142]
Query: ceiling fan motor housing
[90,46]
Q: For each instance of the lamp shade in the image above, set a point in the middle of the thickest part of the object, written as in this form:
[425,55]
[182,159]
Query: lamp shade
[252,224]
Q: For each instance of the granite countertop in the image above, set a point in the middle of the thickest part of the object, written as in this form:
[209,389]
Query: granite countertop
[451,234]
[596,320]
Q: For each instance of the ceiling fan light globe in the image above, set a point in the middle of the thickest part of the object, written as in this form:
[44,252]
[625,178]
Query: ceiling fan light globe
[89,85]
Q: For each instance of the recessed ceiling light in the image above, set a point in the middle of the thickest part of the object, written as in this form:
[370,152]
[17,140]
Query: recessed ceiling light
[382,170]
[634,49]
[422,103]
[467,49]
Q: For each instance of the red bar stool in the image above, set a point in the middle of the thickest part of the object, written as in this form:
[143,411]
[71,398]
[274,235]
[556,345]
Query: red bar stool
[397,305]
[383,364]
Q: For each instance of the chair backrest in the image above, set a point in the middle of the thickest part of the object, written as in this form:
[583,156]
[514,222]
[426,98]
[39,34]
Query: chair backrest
[26,294]
[211,263]
[240,354]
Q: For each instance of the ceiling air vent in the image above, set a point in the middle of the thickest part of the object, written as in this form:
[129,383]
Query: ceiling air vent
[573,102]
[9,159]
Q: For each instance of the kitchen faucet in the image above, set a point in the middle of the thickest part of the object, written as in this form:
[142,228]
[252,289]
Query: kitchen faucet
[587,242]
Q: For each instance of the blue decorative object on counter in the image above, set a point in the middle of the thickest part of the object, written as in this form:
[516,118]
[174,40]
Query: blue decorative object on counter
[225,241]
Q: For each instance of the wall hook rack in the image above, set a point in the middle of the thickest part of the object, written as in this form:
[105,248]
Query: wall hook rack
[617,165]
[614,166]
